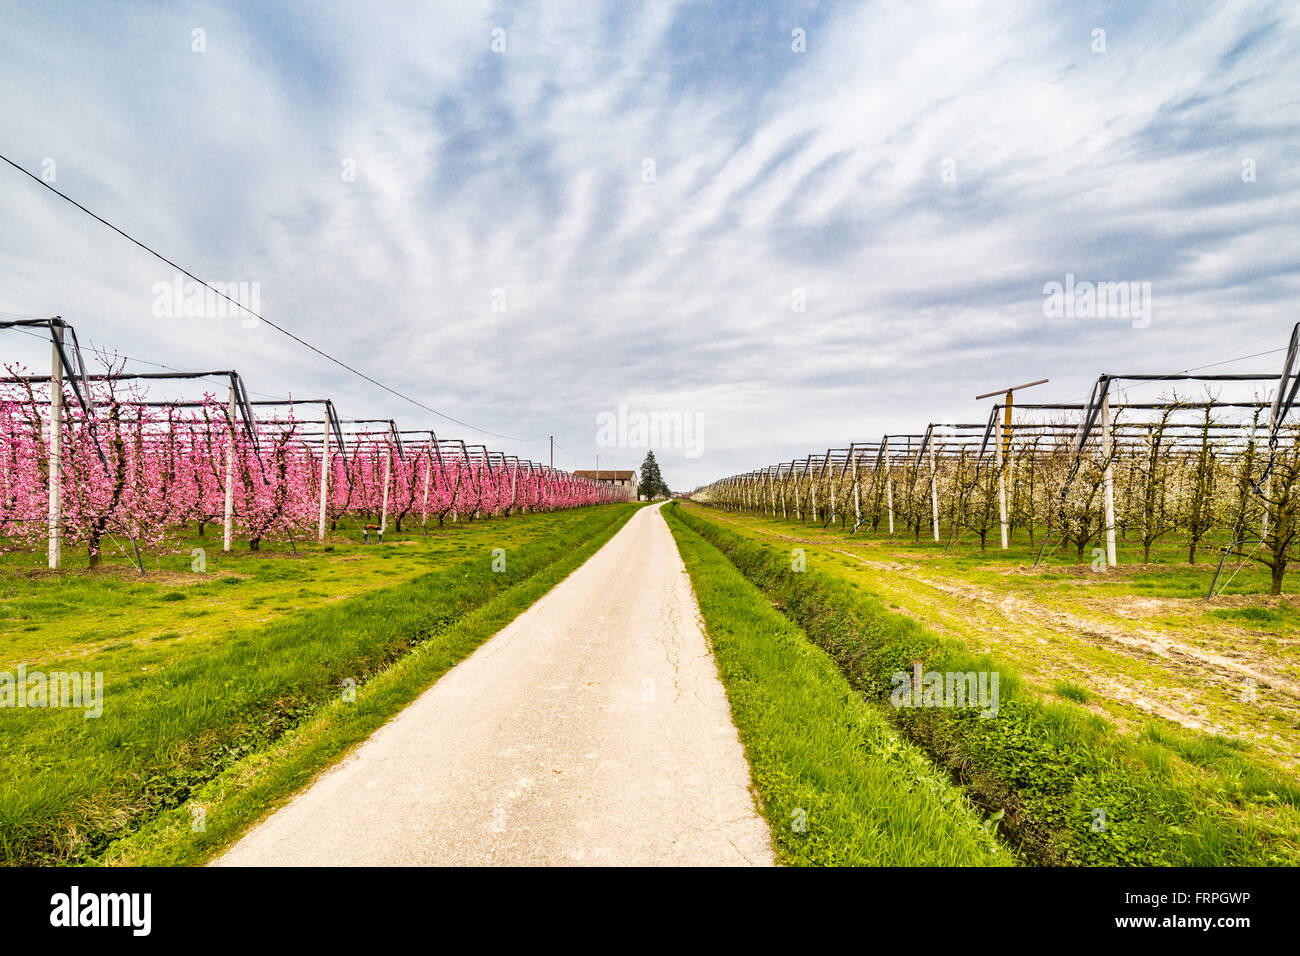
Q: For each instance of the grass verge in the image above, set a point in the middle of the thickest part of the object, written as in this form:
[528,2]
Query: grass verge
[1167,798]
[838,785]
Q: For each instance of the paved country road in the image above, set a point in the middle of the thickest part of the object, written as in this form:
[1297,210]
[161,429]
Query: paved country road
[592,730]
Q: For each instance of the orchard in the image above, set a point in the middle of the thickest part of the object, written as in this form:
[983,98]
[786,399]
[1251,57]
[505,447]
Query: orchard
[1209,465]
[89,461]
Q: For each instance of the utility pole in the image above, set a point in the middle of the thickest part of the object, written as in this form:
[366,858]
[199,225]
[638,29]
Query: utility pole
[552,453]
[1004,449]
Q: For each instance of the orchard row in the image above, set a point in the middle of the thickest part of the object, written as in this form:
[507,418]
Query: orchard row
[1210,472]
[152,472]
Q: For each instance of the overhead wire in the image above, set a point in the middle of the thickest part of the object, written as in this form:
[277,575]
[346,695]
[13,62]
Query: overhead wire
[274,325]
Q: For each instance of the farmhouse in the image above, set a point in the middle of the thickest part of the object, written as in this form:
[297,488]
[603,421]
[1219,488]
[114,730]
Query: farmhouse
[619,479]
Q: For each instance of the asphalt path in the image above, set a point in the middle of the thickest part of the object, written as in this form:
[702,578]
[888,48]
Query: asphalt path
[592,730]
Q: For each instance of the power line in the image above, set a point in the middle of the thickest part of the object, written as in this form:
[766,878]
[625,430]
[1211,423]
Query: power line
[279,328]
[97,345]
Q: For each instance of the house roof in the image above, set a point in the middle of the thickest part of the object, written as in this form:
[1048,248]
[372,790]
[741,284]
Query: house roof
[606,475]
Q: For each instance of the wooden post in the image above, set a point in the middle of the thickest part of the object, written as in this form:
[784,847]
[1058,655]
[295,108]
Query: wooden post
[1004,449]
[1108,489]
[934,492]
[56,449]
[228,534]
[324,477]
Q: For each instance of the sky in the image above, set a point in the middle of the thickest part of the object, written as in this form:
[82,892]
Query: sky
[787,226]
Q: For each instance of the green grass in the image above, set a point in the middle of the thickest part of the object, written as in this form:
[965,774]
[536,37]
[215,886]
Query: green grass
[838,785]
[1142,640]
[1167,574]
[1072,691]
[1256,615]
[180,712]
[1047,766]
[44,615]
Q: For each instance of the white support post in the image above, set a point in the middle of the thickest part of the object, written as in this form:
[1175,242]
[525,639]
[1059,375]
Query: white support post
[383,514]
[889,489]
[1108,480]
[56,450]
[324,477]
[934,493]
[424,502]
[228,534]
[857,500]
